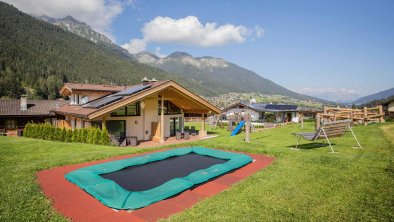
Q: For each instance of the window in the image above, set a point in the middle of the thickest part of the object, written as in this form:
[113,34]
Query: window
[10,124]
[84,100]
[169,108]
[130,110]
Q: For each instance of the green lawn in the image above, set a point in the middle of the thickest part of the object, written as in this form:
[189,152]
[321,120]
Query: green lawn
[311,184]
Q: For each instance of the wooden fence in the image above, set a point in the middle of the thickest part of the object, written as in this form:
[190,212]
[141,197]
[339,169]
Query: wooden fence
[365,115]
[193,119]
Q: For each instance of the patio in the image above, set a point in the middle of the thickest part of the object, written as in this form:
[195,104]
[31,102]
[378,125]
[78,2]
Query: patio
[172,140]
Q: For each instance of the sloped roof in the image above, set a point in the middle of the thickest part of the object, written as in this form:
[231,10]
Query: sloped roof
[34,107]
[91,110]
[263,107]
[236,105]
[90,87]
[281,107]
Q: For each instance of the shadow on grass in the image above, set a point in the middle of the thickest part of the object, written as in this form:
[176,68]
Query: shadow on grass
[309,146]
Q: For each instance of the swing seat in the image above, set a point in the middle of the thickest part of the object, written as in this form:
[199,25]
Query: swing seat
[328,130]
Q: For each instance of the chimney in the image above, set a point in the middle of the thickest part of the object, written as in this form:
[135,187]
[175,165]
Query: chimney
[23,102]
[153,80]
[145,81]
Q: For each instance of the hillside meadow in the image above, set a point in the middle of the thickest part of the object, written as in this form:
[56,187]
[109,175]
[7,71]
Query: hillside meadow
[310,184]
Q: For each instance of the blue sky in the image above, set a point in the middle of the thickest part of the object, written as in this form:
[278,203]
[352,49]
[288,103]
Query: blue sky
[306,44]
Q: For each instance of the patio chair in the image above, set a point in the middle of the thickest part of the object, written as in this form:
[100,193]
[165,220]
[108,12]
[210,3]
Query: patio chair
[328,130]
[2,132]
[186,135]
[193,131]
[178,135]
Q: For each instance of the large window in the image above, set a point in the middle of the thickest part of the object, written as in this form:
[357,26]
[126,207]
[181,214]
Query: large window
[130,110]
[169,108]
[10,123]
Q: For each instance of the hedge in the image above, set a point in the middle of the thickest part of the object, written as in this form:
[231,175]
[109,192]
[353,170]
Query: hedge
[48,132]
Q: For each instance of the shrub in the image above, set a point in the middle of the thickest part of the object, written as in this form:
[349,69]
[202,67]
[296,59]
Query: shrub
[69,136]
[27,130]
[64,135]
[104,138]
[97,136]
[74,137]
[48,132]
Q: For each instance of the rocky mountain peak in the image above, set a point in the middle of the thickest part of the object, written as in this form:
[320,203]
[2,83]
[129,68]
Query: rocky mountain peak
[178,55]
[146,57]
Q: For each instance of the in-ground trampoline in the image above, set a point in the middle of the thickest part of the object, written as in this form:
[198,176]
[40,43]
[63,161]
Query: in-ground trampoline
[140,181]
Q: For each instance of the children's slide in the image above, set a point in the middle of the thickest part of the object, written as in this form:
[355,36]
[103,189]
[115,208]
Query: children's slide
[238,128]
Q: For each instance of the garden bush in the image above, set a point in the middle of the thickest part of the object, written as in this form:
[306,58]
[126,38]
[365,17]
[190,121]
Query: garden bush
[48,132]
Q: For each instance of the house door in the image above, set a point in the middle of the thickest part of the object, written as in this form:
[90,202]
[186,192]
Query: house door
[117,128]
[174,126]
[289,117]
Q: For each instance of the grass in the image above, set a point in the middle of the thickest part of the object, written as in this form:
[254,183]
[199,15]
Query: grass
[310,184]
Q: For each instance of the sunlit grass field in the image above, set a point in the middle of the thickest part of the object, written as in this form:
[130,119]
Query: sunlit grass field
[310,184]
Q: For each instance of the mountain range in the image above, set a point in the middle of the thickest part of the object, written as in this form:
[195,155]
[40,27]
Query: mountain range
[38,55]
[216,73]
[341,95]
[70,24]
[376,96]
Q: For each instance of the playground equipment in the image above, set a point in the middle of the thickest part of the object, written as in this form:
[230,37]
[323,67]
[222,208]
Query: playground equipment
[365,115]
[238,128]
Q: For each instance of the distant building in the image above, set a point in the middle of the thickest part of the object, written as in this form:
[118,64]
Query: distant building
[14,114]
[260,112]
[388,108]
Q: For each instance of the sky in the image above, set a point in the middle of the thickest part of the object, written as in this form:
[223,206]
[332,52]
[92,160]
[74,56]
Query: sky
[304,45]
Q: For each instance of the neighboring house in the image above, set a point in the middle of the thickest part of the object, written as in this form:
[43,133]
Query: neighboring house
[388,108]
[242,108]
[152,110]
[14,114]
[259,111]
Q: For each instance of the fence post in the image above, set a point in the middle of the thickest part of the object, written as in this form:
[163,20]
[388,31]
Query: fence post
[381,118]
[317,123]
[365,115]
[351,117]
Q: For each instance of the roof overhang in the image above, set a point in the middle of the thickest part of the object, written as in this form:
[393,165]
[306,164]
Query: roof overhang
[170,90]
[239,104]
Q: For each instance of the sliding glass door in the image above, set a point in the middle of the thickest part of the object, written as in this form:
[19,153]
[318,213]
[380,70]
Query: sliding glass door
[117,128]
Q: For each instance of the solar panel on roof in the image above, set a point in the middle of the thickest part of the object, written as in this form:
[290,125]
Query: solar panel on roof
[132,90]
[281,107]
[102,102]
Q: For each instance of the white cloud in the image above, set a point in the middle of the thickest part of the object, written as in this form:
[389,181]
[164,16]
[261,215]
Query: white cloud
[259,31]
[308,90]
[135,46]
[332,93]
[99,14]
[190,31]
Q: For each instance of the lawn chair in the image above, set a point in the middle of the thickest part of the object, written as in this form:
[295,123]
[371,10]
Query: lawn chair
[186,135]
[328,130]
[178,135]
[193,131]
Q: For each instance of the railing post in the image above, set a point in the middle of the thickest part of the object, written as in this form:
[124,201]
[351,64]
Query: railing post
[317,122]
[365,115]
[381,113]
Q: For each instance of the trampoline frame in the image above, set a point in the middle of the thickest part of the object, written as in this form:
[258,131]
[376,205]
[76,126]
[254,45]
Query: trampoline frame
[113,195]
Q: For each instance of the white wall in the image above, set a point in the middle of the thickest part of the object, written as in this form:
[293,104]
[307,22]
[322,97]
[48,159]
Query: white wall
[167,123]
[141,126]
[254,114]
[134,125]
[150,115]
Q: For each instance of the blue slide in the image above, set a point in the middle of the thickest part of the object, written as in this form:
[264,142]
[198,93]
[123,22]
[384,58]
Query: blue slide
[238,128]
